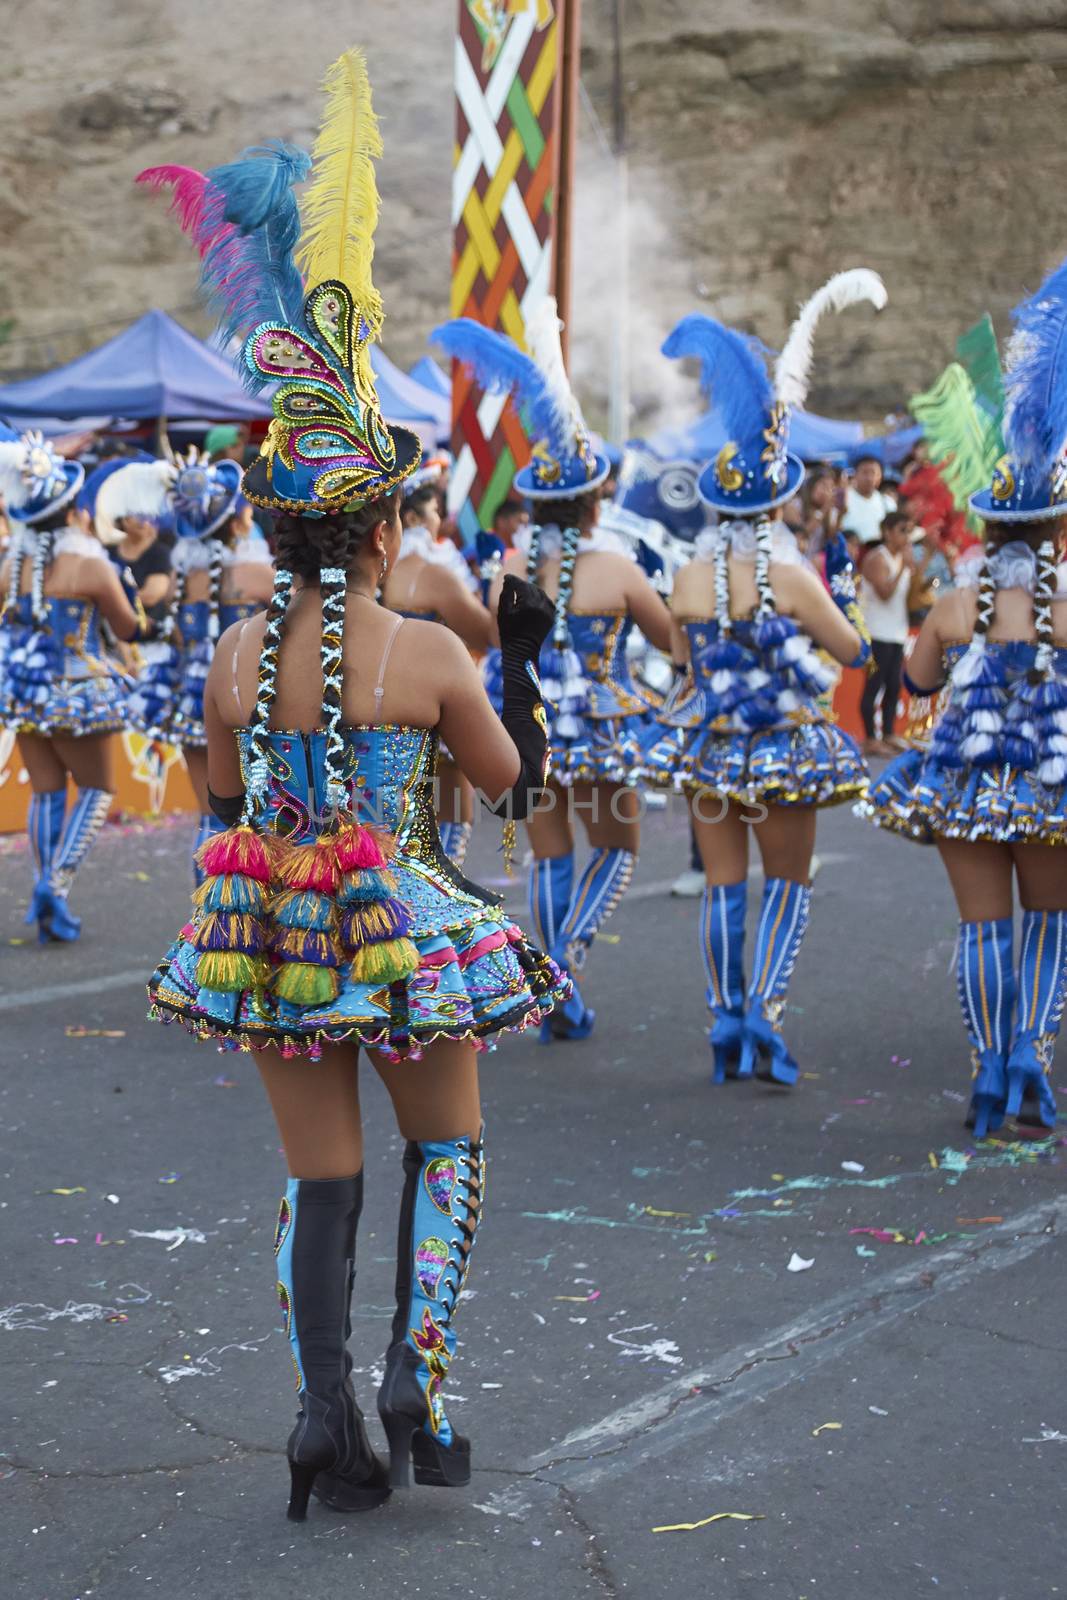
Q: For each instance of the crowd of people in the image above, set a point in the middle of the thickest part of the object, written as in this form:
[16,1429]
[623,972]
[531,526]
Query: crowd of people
[301,623]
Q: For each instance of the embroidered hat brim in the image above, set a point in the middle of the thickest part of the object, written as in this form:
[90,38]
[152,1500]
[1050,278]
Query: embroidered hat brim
[526,484]
[1020,508]
[751,498]
[46,506]
[270,484]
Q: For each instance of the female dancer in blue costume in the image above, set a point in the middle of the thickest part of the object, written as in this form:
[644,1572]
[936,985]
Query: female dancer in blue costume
[58,689]
[990,790]
[330,917]
[430,581]
[598,715]
[221,576]
[748,737]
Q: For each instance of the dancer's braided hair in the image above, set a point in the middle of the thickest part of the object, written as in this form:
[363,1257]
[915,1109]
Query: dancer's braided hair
[569,516]
[315,549]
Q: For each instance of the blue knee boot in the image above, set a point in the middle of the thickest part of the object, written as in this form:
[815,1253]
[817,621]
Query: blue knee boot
[80,828]
[444,1182]
[550,885]
[598,891]
[44,824]
[986,983]
[722,929]
[782,925]
[1042,973]
[209,825]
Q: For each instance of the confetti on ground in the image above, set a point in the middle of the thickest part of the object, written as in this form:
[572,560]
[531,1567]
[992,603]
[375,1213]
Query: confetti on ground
[1048,1436]
[172,1237]
[18,941]
[80,1189]
[798,1264]
[900,1061]
[932,1159]
[720,1516]
[170,1177]
[578,1299]
[650,1211]
[852,1166]
[74,1030]
[57,1240]
[225,1083]
[876,1411]
[862,1250]
[827,1427]
[608,938]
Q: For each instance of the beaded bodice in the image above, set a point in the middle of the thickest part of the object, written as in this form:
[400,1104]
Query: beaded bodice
[1017,655]
[390,772]
[71,624]
[598,639]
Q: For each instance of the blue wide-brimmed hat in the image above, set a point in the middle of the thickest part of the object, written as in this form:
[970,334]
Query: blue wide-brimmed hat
[35,480]
[661,490]
[563,462]
[1029,482]
[755,471]
[202,495]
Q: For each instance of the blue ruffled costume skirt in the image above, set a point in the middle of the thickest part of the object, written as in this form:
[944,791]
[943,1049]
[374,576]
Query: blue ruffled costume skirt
[924,800]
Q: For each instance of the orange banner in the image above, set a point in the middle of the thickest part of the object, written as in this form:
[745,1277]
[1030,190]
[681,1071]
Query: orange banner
[150,779]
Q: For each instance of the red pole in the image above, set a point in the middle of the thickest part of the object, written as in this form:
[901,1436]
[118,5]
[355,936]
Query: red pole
[570,64]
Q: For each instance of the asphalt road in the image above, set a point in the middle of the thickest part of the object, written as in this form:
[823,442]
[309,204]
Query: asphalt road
[636,1353]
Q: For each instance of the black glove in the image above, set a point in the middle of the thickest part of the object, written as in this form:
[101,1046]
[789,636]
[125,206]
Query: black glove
[147,627]
[525,617]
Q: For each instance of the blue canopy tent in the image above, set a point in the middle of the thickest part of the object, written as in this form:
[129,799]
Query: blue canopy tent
[811,437]
[404,400]
[154,368]
[430,375]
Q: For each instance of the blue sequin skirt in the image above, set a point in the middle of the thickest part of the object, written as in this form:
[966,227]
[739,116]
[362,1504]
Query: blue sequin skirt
[812,763]
[187,720]
[472,983]
[602,750]
[925,801]
[47,689]
[155,690]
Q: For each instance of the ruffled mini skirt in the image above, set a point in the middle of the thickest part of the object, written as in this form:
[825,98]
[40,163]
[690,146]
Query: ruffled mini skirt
[472,983]
[187,717]
[48,689]
[811,763]
[155,691]
[925,800]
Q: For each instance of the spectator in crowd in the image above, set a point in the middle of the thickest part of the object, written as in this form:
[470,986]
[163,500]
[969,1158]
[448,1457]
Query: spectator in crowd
[821,511]
[866,503]
[509,516]
[227,441]
[887,568]
[149,559]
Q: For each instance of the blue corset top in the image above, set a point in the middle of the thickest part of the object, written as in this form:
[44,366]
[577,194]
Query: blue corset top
[73,624]
[388,771]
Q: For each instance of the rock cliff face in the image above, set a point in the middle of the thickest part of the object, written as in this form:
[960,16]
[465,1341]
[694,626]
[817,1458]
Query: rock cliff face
[771,142]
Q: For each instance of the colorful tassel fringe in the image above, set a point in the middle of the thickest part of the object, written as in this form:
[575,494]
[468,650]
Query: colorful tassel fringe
[237,867]
[385,963]
[305,985]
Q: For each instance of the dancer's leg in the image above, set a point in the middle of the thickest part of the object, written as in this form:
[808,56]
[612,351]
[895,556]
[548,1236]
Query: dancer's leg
[980,873]
[437,1107]
[721,836]
[786,841]
[1042,974]
[316,1107]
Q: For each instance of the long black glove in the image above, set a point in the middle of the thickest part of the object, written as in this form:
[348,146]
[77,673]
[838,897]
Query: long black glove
[147,627]
[525,617]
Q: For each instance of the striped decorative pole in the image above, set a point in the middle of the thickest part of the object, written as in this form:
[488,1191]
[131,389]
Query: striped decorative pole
[504,192]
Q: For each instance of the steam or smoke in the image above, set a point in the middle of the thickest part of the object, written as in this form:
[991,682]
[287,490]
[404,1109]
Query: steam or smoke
[662,392]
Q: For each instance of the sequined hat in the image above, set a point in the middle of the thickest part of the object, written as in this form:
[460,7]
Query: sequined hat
[300,298]
[202,494]
[563,462]
[755,471]
[128,486]
[35,480]
[663,491]
[1029,482]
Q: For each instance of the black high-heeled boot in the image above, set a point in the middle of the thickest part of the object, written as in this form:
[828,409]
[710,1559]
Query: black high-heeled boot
[439,1215]
[315,1246]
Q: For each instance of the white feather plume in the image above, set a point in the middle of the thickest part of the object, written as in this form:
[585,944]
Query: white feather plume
[543,329]
[14,490]
[793,369]
[137,490]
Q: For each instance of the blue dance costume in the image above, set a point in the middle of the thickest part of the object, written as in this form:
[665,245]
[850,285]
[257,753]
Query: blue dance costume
[995,768]
[751,723]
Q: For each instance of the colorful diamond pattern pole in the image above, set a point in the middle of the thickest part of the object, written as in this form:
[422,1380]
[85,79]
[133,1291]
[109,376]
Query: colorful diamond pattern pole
[503,192]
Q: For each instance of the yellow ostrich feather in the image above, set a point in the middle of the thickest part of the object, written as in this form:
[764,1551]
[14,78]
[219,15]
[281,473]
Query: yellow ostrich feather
[340,210]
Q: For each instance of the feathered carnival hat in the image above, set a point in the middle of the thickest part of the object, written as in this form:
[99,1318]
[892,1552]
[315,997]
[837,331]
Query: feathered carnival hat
[129,486]
[754,471]
[563,463]
[300,298]
[1029,481]
[35,481]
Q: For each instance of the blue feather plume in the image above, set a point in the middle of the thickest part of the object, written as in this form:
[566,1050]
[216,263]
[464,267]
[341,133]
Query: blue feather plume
[498,366]
[1035,377]
[248,274]
[733,371]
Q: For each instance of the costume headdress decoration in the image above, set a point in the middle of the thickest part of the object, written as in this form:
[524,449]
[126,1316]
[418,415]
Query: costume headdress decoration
[563,464]
[301,299]
[35,483]
[126,487]
[991,722]
[754,471]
